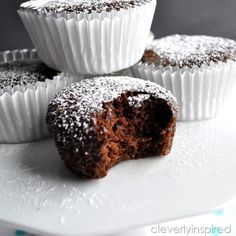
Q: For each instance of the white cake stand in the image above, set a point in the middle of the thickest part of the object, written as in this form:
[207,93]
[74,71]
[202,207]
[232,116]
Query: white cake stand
[39,195]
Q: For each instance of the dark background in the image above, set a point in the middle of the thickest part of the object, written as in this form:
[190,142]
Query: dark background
[211,17]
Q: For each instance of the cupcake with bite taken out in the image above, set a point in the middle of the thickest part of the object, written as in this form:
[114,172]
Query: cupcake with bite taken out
[99,122]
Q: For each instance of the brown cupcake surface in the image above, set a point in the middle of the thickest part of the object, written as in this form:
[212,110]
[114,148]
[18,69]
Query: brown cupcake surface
[100,122]
[189,51]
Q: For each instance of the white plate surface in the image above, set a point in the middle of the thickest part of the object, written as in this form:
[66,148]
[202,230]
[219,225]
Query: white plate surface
[38,194]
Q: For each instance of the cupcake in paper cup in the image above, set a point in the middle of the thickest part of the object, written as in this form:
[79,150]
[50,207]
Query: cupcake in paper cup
[199,70]
[89,37]
[26,87]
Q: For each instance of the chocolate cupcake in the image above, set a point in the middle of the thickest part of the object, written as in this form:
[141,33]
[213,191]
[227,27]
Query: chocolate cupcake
[26,87]
[100,122]
[199,70]
[89,37]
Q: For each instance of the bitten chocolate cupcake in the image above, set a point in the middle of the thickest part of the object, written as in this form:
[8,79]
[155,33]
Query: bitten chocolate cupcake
[89,37]
[102,121]
[199,70]
[26,87]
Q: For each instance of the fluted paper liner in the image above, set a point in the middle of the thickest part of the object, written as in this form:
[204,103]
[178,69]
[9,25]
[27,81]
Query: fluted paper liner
[200,92]
[23,108]
[97,43]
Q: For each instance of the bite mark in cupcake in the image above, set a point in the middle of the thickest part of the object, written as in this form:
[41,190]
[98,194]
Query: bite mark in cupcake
[100,122]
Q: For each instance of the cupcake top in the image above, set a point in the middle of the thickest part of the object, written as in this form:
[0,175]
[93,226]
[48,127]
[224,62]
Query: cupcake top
[75,107]
[189,51]
[22,73]
[79,6]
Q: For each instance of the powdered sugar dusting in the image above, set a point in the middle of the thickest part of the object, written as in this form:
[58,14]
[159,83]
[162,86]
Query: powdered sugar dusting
[23,73]
[190,51]
[78,6]
[72,112]
[137,100]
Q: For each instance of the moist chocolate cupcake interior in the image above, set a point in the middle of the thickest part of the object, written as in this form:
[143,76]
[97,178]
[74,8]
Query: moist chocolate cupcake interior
[100,122]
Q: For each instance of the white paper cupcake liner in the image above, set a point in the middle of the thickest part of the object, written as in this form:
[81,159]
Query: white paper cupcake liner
[97,43]
[151,37]
[200,92]
[23,108]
